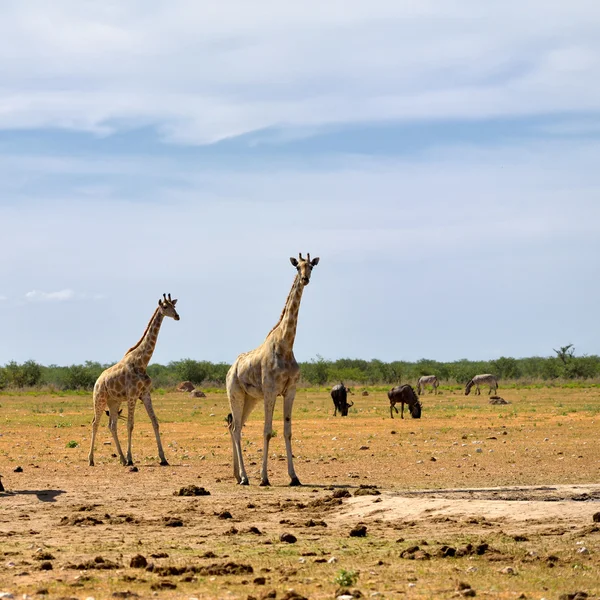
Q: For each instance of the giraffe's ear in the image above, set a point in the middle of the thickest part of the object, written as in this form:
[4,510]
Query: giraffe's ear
[174,302]
[159,303]
[315,261]
[294,261]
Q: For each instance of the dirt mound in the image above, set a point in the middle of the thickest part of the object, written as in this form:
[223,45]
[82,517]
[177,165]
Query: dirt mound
[186,386]
[197,394]
[498,400]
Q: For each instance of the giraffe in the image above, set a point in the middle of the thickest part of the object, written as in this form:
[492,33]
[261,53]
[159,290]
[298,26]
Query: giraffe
[267,372]
[128,381]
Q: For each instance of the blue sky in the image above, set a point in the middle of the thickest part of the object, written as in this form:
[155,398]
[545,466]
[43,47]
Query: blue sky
[440,157]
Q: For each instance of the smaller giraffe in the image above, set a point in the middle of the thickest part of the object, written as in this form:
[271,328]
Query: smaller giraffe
[127,381]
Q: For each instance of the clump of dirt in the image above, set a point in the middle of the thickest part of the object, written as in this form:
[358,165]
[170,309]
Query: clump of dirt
[42,555]
[367,491]
[159,555]
[99,563]
[334,499]
[230,568]
[574,596]
[254,530]
[498,400]
[86,507]
[163,585]
[288,538]
[359,531]
[125,594]
[312,523]
[192,490]
[445,552]
[139,561]
[225,515]
[81,521]
[172,522]
[415,553]
[120,519]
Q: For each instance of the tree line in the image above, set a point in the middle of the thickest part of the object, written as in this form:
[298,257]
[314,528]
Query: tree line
[317,372]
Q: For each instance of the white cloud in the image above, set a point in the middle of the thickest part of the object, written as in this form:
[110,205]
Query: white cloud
[204,71]
[61,296]
[3,298]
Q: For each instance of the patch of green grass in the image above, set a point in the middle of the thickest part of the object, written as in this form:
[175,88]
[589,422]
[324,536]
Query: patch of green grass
[72,444]
[346,578]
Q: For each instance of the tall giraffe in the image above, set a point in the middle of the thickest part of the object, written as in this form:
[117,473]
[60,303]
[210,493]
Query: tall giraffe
[267,372]
[128,381]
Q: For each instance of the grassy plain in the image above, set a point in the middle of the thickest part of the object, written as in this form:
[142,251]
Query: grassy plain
[509,490]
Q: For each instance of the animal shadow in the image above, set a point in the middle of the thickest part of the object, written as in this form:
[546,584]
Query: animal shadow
[42,495]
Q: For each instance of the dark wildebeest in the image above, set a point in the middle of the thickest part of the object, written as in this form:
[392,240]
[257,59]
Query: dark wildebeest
[405,394]
[339,395]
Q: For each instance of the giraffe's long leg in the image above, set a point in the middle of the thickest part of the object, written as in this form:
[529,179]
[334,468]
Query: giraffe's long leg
[99,406]
[113,417]
[288,404]
[270,397]
[147,400]
[130,418]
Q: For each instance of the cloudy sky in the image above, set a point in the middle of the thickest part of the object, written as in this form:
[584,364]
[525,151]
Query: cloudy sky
[440,157]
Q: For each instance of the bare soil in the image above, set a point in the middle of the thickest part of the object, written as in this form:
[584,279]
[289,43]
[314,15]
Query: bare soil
[495,499]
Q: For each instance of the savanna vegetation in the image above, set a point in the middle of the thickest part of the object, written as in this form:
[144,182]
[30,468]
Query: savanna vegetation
[564,365]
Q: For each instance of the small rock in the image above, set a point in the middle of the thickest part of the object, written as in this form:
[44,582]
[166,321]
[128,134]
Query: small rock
[133,469]
[46,566]
[332,560]
[596,517]
[288,538]
[583,550]
[508,571]
[364,448]
[18,470]
[225,515]
[6,595]
[479,450]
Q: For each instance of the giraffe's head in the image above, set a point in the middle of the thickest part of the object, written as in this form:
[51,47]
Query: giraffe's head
[304,267]
[167,307]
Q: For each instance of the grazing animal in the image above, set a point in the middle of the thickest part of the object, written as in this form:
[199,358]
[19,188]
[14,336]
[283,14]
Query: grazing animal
[405,394]
[487,379]
[431,380]
[264,373]
[127,381]
[339,395]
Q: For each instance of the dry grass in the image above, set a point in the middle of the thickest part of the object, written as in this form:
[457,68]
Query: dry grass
[546,437]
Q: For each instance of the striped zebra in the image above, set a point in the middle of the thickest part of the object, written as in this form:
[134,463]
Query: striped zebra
[431,380]
[478,380]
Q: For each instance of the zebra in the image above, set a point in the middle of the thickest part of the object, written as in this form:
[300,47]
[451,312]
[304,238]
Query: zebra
[431,380]
[478,380]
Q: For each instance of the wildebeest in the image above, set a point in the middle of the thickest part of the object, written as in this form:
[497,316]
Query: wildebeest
[339,395]
[431,380]
[478,380]
[405,394]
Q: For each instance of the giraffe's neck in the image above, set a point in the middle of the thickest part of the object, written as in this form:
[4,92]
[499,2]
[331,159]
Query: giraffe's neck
[142,352]
[285,330]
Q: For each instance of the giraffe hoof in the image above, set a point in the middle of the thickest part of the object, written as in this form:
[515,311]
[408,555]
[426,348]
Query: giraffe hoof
[244,482]
[164,463]
[265,483]
[294,482]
